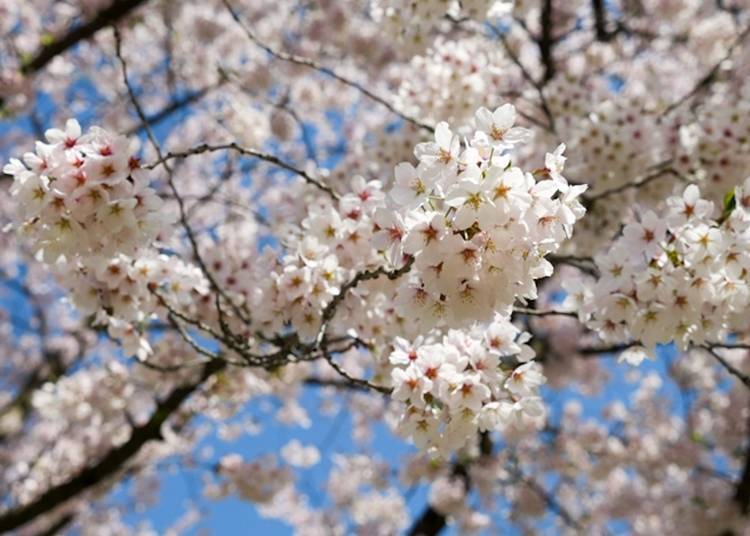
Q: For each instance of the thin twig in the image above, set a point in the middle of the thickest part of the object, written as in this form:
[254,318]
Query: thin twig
[272,159]
[734,371]
[544,312]
[356,381]
[585,264]
[590,351]
[552,503]
[330,311]
[709,78]
[658,170]
[307,62]
[170,179]
[530,79]
[229,337]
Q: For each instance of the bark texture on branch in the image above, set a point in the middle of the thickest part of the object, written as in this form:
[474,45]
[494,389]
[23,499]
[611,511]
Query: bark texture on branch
[81,32]
[112,462]
[431,522]
[106,17]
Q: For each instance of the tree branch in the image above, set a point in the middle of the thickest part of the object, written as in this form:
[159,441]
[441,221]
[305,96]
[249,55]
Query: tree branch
[657,171]
[112,462]
[307,62]
[530,79]
[172,107]
[600,21]
[742,491]
[552,503]
[744,378]
[272,159]
[314,381]
[431,522]
[709,78]
[544,312]
[49,370]
[546,41]
[106,17]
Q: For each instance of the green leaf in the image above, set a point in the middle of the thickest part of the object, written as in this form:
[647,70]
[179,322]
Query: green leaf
[730,202]
[673,257]
[729,205]
[46,39]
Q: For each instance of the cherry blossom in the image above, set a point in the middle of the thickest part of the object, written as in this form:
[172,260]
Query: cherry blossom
[375,267]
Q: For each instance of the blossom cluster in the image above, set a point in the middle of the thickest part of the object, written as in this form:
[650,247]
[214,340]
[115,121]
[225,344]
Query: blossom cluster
[482,379]
[412,24]
[82,416]
[359,485]
[86,208]
[648,97]
[447,81]
[85,196]
[713,150]
[88,399]
[256,481]
[477,226]
[680,275]
[330,245]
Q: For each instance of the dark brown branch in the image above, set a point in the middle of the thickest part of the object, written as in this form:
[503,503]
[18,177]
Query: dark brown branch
[742,491]
[272,159]
[600,21]
[585,264]
[50,370]
[330,311]
[734,371]
[106,17]
[171,108]
[337,384]
[595,351]
[112,462]
[657,171]
[527,76]
[546,41]
[544,312]
[431,522]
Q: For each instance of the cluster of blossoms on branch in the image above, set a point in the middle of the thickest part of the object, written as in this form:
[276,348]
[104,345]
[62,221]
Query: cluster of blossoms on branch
[477,226]
[86,208]
[714,150]
[85,198]
[678,275]
[257,481]
[617,149]
[477,229]
[330,245]
[469,381]
[412,24]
